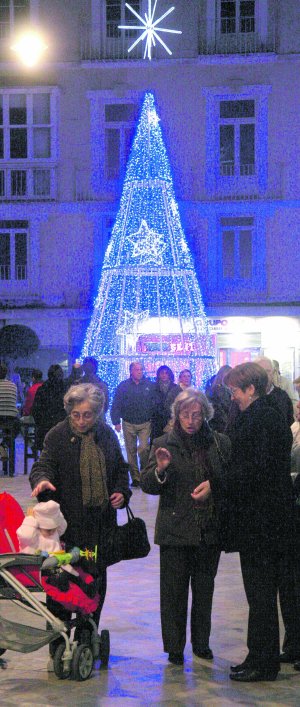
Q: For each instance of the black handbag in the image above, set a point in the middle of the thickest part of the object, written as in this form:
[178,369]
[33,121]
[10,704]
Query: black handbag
[126,542]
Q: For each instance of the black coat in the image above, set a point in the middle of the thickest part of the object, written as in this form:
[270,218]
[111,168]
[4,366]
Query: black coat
[175,522]
[48,408]
[162,402]
[60,464]
[259,486]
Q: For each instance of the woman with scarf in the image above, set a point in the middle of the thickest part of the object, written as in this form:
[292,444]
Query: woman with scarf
[185,470]
[74,448]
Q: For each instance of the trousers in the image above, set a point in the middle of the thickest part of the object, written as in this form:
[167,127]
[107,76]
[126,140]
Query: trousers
[136,438]
[261,572]
[180,567]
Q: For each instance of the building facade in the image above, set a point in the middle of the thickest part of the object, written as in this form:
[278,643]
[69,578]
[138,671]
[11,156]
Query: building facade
[228,97]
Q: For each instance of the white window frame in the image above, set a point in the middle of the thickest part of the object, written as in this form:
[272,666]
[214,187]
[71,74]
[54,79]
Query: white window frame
[98,101]
[33,16]
[217,183]
[35,175]
[236,123]
[112,47]
[12,231]
[214,22]
[237,18]
[237,226]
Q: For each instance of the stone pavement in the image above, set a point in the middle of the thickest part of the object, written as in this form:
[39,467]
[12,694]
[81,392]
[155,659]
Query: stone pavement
[138,672]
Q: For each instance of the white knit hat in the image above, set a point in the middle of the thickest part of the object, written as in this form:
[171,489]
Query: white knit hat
[48,515]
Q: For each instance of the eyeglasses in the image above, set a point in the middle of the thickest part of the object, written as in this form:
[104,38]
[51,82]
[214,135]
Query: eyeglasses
[232,390]
[82,415]
[194,416]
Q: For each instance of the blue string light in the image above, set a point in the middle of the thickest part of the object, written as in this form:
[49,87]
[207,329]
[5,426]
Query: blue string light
[149,305]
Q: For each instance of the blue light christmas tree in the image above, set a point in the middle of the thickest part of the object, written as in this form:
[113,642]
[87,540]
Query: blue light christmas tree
[149,305]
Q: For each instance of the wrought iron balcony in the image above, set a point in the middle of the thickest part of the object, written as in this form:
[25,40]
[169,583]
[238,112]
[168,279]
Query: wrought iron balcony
[27,183]
[226,37]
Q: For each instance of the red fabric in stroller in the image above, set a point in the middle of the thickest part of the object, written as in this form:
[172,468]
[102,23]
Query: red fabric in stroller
[74,598]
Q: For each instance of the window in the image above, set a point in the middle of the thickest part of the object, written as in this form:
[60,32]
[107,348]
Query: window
[13,14]
[118,14]
[237,16]
[237,138]
[13,250]
[27,134]
[119,125]
[236,247]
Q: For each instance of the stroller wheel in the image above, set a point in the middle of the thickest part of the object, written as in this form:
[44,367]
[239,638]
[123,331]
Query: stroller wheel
[104,647]
[83,635]
[82,662]
[62,669]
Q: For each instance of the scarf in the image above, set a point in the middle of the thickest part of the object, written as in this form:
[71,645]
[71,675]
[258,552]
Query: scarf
[197,445]
[92,471]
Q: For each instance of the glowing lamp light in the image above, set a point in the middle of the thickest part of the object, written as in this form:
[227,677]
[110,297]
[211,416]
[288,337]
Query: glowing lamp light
[29,48]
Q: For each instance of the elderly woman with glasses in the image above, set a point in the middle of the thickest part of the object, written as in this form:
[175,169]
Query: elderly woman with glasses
[82,468]
[185,470]
[260,515]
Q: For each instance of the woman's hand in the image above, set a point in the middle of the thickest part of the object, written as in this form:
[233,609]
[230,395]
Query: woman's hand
[117,500]
[43,486]
[163,458]
[201,492]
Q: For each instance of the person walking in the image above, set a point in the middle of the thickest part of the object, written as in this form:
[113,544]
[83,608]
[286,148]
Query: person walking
[185,470]
[48,405]
[132,403]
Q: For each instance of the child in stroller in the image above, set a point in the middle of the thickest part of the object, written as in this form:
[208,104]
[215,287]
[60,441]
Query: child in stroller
[22,574]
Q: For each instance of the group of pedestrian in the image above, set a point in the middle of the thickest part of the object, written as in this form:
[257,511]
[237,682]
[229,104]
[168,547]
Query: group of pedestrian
[217,491]
[144,408]
[220,463]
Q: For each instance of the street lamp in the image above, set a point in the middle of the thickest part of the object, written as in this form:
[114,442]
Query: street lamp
[29,48]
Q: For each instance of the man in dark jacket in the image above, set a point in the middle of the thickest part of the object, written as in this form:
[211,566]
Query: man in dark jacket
[279,400]
[48,405]
[133,404]
[276,397]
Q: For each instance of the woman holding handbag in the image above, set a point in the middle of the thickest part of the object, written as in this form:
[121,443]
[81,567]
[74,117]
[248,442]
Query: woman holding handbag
[185,470]
[82,468]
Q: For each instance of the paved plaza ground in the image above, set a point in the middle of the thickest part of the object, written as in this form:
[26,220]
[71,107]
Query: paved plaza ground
[138,672]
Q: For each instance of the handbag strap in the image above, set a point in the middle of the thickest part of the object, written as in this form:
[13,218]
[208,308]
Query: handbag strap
[129,512]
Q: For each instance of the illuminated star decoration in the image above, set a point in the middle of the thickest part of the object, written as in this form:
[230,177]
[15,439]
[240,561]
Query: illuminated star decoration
[147,244]
[149,28]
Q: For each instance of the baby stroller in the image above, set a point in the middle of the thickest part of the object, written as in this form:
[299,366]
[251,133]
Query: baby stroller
[21,576]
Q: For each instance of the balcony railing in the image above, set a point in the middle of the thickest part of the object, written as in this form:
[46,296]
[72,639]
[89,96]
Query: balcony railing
[112,47]
[229,169]
[36,183]
[232,187]
[227,38]
[232,37]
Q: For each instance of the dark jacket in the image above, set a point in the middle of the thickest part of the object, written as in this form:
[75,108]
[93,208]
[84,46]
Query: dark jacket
[132,402]
[259,486]
[280,400]
[48,408]
[161,407]
[175,522]
[60,464]
[220,398]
